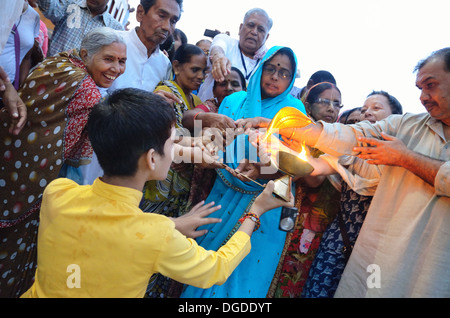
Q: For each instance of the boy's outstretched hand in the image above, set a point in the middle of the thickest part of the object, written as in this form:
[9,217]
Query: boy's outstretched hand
[187,224]
[267,201]
[264,202]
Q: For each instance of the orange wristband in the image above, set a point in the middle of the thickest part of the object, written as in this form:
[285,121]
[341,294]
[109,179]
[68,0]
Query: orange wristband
[252,217]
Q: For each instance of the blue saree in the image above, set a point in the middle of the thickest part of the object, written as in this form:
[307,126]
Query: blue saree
[252,278]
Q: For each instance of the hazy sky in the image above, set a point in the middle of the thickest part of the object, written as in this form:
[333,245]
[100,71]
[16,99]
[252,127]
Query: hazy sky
[367,45]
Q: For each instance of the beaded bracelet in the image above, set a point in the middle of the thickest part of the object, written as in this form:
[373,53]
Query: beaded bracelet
[252,217]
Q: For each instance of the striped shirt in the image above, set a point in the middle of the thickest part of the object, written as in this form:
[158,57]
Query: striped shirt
[72,20]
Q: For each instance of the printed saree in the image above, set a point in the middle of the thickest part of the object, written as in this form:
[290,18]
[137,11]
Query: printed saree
[59,94]
[203,178]
[317,208]
[170,196]
[329,263]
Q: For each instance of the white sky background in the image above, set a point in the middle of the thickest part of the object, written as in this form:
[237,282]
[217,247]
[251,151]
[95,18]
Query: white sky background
[366,44]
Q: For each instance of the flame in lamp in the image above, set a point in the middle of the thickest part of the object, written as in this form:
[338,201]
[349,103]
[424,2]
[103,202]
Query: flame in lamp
[295,164]
[291,165]
[303,155]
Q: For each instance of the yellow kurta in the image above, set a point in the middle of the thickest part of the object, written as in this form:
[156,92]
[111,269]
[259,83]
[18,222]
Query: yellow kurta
[94,241]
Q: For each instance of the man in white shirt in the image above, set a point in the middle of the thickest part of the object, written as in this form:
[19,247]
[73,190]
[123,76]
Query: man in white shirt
[146,64]
[10,11]
[28,29]
[245,53]
[144,70]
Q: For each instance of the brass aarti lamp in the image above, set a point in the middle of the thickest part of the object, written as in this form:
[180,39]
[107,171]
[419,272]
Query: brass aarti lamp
[290,163]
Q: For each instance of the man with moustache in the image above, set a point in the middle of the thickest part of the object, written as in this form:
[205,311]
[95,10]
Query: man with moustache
[73,19]
[245,53]
[403,249]
[147,65]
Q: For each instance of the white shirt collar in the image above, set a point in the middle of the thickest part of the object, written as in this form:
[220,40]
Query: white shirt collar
[140,46]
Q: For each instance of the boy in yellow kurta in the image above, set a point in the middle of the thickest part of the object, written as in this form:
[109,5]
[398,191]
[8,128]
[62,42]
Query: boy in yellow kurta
[94,241]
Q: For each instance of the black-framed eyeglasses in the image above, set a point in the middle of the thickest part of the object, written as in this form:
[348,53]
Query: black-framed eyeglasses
[326,101]
[282,72]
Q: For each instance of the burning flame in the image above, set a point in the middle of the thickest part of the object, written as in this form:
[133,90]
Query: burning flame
[303,155]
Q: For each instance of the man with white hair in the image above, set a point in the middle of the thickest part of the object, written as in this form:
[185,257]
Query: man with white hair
[245,53]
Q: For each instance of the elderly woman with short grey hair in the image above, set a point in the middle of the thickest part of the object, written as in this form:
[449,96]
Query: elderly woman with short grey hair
[59,94]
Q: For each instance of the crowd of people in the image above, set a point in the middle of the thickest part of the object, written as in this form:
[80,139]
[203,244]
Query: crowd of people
[128,165]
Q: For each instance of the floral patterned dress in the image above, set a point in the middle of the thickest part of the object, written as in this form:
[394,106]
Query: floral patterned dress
[330,261]
[317,208]
[59,95]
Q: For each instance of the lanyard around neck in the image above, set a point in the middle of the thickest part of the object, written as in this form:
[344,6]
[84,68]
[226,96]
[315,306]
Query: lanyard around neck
[247,75]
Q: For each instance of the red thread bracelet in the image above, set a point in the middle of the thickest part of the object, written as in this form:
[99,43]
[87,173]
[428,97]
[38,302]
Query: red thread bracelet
[252,217]
[195,116]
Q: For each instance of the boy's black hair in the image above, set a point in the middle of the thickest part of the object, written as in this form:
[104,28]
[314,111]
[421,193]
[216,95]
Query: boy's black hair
[127,124]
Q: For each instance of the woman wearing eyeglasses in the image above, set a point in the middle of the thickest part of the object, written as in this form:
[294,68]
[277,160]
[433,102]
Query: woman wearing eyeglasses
[317,201]
[267,92]
[323,102]
[358,185]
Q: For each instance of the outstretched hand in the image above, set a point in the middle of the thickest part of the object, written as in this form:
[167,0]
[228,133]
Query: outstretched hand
[221,67]
[171,98]
[266,201]
[255,122]
[214,120]
[205,153]
[13,104]
[187,224]
[389,151]
[245,171]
